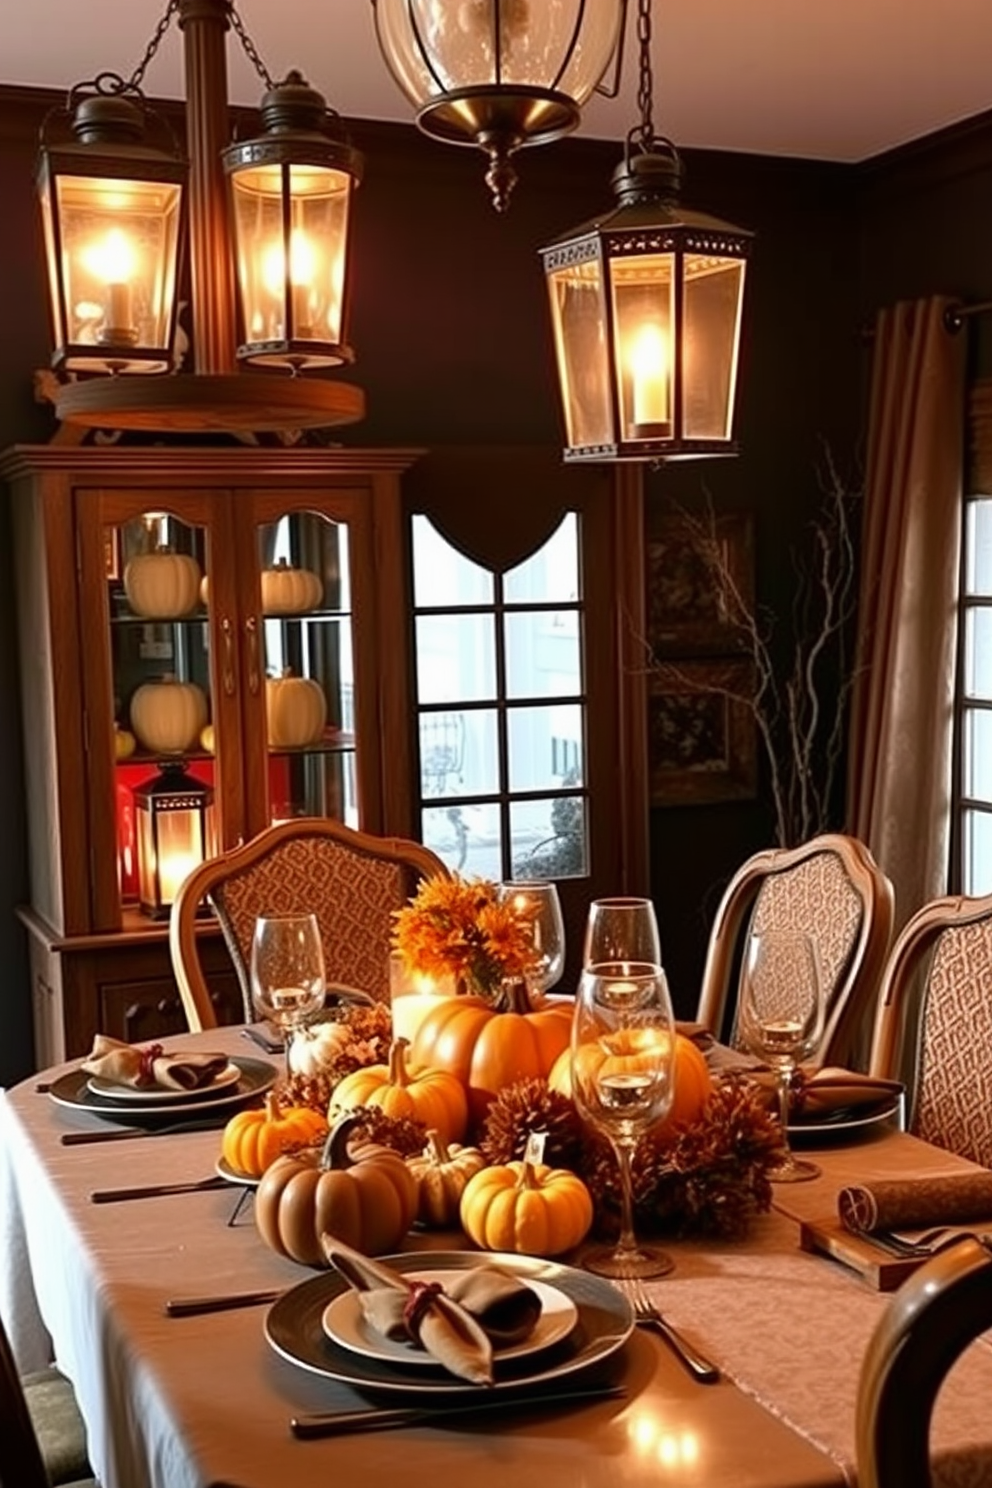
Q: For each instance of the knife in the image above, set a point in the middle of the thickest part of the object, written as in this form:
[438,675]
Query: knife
[123,1134]
[193,1306]
[156,1190]
[336,1423]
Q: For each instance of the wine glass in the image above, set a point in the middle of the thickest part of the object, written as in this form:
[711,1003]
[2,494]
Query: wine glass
[538,904]
[623,1071]
[622,929]
[781,1020]
[288,981]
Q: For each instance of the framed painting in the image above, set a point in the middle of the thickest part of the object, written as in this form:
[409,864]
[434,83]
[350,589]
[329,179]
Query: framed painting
[700,578]
[702,741]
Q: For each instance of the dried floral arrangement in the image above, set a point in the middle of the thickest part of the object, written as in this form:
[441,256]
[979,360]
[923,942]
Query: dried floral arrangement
[460,928]
[370,1033]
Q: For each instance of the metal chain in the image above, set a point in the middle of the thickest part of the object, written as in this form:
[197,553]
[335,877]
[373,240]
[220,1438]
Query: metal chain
[250,49]
[645,98]
[134,81]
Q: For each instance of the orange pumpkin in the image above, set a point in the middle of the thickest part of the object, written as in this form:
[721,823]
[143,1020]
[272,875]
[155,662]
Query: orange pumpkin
[252,1140]
[526,1208]
[492,1045]
[433,1097]
[693,1083]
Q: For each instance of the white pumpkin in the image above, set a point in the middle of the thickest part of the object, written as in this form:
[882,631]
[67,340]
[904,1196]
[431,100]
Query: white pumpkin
[297,711]
[313,1049]
[162,585]
[167,716]
[290,591]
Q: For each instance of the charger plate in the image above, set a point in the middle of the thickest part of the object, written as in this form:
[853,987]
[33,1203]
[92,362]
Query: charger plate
[846,1125]
[294,1328]
[155,1096]
[72,1090]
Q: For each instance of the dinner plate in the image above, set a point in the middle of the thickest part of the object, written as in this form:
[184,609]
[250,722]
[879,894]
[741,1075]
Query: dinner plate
[847,1123]
[224,1170]
[294,1329]
[344,1322]
[160,1097]
[72,1090]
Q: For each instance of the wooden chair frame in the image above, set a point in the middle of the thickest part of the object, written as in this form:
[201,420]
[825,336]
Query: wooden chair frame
[193,989]
[929,1322]
[902,994]
[844,1040]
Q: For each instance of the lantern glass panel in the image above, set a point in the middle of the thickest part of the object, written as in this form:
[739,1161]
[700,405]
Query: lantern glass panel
[181,846]
[712,298]
[119,242]
[52,260]
[307,304]
[147,857]
[578,320]
[643,338]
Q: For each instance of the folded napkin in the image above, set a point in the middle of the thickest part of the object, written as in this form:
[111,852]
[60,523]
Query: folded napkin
[820,1093]
[905,1203]
[457,1325]
[149,1067]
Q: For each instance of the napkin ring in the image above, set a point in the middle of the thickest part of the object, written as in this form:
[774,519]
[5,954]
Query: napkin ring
[419,1299]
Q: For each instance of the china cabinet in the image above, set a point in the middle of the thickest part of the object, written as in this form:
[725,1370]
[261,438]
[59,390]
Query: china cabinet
[240,612]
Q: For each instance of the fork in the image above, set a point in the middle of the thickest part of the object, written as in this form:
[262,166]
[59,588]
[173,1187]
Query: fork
[648,1316]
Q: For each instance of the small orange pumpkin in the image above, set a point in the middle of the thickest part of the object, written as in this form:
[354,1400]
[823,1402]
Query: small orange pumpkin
[431,1096]
[693,1084]
[253,1140]
[526,1208]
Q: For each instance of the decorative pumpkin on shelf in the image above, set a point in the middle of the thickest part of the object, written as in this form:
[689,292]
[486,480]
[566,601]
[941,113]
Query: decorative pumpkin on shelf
[290,591]
[296,710]
[442,1172]
[167,716]
[124,743]
[366,1197]
[693,1083]
[526,1208]
[432,1096]
[253,1140]
[205,590]
[207,740]
[314,1048]
[489,1045]
[162,585]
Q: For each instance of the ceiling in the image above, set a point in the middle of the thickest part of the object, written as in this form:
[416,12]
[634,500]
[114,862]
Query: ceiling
[824,79]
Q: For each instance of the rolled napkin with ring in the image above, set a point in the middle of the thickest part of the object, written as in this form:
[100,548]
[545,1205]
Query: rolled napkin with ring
[906,1203]
[818,1093]
[149,1067]
[459,1324]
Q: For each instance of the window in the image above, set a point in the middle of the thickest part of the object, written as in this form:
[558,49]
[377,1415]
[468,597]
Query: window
[974,742]
[501,708]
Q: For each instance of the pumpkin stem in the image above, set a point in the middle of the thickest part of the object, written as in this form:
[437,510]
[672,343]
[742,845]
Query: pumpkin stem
[437,1148]
[512,997]
[528,1177]
[398,1072]
[334,1153]
[273,1106]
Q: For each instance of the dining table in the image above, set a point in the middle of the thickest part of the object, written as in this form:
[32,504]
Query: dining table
[205,1400]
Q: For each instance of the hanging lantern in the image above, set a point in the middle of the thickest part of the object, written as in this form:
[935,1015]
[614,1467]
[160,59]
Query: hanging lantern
[112,210]
[646,305]
[500,74]
[174,815]
[291,189]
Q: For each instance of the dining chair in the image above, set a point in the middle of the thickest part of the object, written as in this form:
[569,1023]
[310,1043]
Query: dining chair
[933,1027]
[42,1440]
[352,881]
[927,1325]
[832,887]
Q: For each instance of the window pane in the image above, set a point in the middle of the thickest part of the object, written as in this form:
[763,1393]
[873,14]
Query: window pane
[459,753]
[442,575]
[979,547]
[542,654]
[977,852]
[552,573]
[978,754]
[456,658]
[545,747]
[548,838]
[467,838]
[978,653]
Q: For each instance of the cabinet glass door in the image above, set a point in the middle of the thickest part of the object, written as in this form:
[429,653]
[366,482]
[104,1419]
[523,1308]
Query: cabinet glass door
[306,616]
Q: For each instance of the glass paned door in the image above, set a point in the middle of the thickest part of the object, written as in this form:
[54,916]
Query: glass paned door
[975,701]
[501,708]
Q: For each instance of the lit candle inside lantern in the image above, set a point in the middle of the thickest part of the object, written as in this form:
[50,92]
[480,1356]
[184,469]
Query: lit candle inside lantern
[112,261]
[649,364]
[302,272]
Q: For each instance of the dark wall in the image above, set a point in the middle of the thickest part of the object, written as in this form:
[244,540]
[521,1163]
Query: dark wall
[450,328]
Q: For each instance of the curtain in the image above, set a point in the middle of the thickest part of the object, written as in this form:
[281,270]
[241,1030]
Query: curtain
[901,741]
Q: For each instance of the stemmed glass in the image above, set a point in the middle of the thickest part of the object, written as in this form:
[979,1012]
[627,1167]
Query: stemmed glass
[781,1020]
[623,1070]
[288,981]
[538,904]
[621,929]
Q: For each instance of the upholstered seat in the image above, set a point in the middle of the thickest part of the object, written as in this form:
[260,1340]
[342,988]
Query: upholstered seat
[831,887]
[929,1322]
[352,881]
[42,1437]
[934,1023]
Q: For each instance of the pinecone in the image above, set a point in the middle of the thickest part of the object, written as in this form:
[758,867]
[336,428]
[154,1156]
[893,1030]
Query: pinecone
[526,1107]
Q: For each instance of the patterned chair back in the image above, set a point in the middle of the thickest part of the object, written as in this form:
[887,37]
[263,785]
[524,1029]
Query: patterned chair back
[934,1027]
[352,881]
[832,888]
